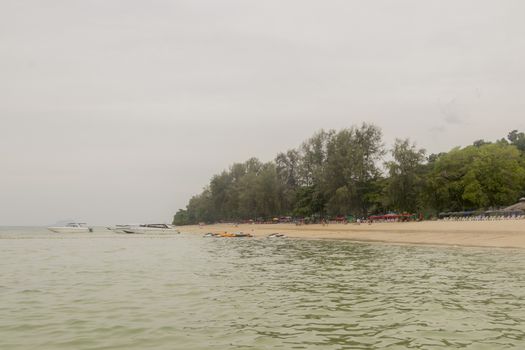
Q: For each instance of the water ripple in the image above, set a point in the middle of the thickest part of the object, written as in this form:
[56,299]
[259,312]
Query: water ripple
[193,293]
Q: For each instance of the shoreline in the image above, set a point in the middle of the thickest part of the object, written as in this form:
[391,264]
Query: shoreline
[488,234]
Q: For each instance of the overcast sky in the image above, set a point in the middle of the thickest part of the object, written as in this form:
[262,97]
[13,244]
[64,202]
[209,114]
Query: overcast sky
[119,111]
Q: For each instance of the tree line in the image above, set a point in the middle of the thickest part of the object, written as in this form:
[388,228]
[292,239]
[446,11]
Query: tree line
[349,172]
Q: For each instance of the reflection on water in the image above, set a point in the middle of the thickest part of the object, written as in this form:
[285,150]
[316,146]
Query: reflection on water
[105,291]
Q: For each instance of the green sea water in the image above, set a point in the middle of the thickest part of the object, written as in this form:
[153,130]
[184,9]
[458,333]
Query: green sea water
[109,291]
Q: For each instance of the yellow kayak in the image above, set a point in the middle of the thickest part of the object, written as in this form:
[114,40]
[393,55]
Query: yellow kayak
[234,234]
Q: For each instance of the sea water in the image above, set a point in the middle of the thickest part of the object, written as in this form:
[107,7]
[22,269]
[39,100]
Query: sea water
[110,291]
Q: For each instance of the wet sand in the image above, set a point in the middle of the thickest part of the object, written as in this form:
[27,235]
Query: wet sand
[504,234]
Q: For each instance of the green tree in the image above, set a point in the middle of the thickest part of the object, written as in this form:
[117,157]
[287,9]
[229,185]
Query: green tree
[287,168]
[476,177]
[352,169]
[495,177]
[313,157]
[310,201]
[181,218]
[405,181]
[200,208]
[517,139]
[267,191]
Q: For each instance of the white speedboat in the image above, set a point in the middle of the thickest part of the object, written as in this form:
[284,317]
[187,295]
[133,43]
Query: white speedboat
[276,235]
[151,228]
[72,227]
[120,228]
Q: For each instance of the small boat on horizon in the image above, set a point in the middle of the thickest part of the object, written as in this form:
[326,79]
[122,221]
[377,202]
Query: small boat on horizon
[72,227]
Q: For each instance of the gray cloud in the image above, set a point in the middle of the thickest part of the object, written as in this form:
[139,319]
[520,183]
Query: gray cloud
[118,111]
[451,112]
[437,129]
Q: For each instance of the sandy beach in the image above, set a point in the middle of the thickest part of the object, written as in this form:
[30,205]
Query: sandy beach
[504,234]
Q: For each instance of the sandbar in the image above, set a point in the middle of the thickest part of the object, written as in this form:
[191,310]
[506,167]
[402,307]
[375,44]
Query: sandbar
[502,234]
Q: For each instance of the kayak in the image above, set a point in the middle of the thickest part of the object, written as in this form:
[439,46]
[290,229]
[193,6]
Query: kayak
[234,234]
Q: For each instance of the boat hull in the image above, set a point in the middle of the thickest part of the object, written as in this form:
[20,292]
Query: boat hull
[120,228]
[69,229]
[148,230]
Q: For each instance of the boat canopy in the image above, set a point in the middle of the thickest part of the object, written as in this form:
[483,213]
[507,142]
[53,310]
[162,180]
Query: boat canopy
[76,224]
[155,225]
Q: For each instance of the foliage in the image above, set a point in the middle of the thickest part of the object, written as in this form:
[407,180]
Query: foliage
[486,176]
[405,180]
[517,139]
[338,173]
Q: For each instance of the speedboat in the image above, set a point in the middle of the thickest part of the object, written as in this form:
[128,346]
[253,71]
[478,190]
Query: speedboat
[72,227]
[276,235]
[211,234]
[151,228]
[120,228]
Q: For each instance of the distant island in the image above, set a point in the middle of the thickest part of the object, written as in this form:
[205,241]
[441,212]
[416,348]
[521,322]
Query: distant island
[349,175]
